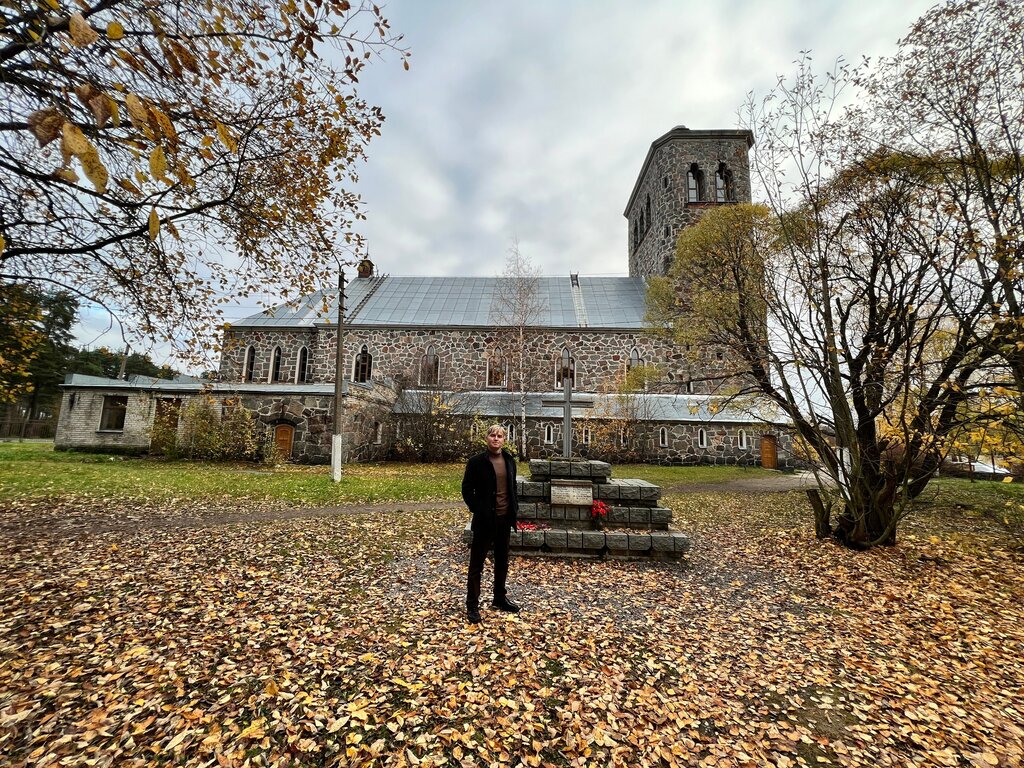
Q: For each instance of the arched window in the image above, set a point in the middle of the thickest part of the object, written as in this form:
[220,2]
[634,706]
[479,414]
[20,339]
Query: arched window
[647,211]
[702,438]
[497,369]
[664,182]
[724,191]
[362,369]
[663,437]
[275,365]
[430,368]
[694,184]
[565,363]
[249,368]
[510,432]
[635,361]
[741,439]
[301,366]
[549,434]
[378,433]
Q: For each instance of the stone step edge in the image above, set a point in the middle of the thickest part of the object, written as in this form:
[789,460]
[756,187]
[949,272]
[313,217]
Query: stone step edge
[529,512]
[670,543]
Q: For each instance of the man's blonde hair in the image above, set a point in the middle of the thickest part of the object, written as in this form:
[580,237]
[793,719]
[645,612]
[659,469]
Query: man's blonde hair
[491,429]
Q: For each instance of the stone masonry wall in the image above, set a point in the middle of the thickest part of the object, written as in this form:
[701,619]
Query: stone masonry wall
[463,353]
[665,183]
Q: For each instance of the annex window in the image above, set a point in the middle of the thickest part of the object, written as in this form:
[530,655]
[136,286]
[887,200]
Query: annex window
[112,415]
[497,370]
[362,368]
[249,367]
[549,434]
[702,438]
[430,368]
[741,439]
[565,363]
[275,365]
[724,191]
[302,366]
[663,437]
[694,184]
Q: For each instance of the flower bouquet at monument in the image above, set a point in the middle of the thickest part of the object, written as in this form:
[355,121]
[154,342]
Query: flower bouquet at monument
[598,513]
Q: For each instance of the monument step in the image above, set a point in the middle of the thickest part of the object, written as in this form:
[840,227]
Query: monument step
[561,541]
[612,490]
[575,517]
[545,469]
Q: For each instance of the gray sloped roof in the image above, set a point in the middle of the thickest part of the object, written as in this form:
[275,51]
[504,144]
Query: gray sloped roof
[600,302]
[649,407]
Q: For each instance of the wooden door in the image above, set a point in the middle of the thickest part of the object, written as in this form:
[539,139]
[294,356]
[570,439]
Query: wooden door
[283,436]
[769,452]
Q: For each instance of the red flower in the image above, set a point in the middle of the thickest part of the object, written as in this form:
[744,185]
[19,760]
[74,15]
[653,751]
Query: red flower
[599,509]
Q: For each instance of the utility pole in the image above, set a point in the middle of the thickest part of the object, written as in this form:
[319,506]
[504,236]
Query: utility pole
[124,361]
[337,442]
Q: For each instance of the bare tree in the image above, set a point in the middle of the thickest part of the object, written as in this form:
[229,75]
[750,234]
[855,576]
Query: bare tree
[516,311]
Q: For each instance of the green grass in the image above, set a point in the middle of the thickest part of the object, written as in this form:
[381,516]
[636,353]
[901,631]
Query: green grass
[32,470]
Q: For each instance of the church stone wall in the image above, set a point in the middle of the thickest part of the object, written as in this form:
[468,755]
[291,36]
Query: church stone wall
[664,183]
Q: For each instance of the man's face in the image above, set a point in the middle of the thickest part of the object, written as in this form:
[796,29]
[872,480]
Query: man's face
[495,440]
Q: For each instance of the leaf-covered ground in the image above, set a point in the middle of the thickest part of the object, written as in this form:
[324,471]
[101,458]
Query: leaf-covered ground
[180,634]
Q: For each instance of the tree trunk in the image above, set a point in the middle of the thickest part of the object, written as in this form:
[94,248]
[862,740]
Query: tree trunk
[822,514]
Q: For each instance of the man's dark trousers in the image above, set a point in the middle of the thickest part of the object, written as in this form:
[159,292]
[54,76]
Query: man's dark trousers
[494,534]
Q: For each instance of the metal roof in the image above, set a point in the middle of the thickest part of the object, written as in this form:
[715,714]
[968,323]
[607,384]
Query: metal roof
[605,302]
[706,409]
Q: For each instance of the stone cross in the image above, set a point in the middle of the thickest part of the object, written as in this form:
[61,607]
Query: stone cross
[566,403]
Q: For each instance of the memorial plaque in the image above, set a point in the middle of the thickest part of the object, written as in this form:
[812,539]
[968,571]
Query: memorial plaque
[575,493]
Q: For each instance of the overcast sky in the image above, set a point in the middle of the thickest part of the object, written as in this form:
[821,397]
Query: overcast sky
[530,119]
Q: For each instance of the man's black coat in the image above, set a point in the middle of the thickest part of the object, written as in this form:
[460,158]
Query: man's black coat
[480,491]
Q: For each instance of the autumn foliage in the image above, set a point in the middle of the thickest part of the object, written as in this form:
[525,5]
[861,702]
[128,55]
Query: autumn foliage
[157,157]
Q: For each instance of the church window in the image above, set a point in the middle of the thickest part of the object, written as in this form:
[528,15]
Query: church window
[275,365]
[741,439]
[719,356]
[497,370]
[585,436]
[378,433]
[666,230]
[647,213]
[565,363]
[702,438]
[430,368]
[363,369]
[635,361]
[664,182]
[250,364]
[510,432]
[694,184]
[302,366]
[663,437]
[689,386]
[724,191]
[549,434]
[636,234]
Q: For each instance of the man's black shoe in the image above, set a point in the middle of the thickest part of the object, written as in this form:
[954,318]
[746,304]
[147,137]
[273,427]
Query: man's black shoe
[506,605]
[473,615]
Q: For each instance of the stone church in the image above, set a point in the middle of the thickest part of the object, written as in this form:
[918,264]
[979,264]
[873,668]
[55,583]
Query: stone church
[417,343]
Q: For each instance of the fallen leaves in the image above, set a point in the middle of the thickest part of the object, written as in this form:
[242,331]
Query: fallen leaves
[340,640]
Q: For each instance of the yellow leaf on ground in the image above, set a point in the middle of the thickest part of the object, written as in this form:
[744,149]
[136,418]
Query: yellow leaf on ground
[271,689]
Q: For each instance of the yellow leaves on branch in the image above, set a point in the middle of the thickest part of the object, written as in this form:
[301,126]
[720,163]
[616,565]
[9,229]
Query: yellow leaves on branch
[154,224]
[75,144]
[115,31]
[226,138]
[158,164]
[45,125]
[81,33]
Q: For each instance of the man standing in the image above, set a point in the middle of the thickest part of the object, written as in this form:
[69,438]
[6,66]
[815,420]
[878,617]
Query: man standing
[489,490]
